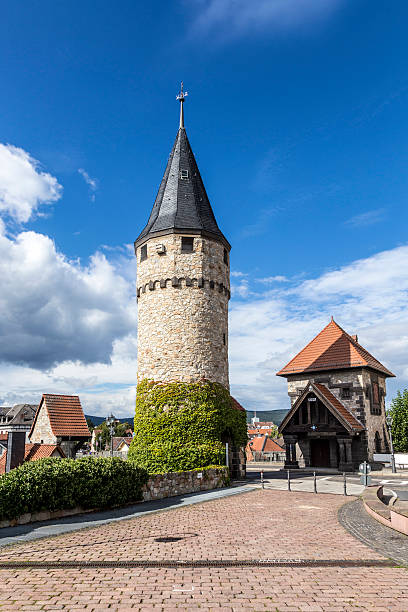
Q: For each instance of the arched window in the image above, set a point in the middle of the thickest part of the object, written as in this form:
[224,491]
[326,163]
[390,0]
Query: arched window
[377,442]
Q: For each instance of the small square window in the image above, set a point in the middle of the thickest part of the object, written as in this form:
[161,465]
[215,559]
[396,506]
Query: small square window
[143,252]
[226,256]
[184,174]
[187,244]
[346,393]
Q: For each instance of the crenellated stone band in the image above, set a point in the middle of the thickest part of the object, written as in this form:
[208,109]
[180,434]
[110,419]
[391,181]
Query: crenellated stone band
[188,282]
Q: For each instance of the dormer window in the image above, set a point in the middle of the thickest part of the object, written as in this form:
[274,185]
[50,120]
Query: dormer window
[187,244]
[184,174]
[143,252]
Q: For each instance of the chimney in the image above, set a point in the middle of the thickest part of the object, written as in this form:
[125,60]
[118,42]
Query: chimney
[355,337]
[15,449]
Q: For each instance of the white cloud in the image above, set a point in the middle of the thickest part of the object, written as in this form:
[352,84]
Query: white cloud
[368,218]
[272,279]
[235,18]
[92,183]
[368,297]
[24,187]
[53,309]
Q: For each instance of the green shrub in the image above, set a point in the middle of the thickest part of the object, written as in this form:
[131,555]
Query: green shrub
[182,426]
[59,484]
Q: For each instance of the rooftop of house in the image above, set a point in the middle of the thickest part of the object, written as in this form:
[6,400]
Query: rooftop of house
[65,414]
[34,452]
[117,441]
[265,444]
[332,349]
[341,412]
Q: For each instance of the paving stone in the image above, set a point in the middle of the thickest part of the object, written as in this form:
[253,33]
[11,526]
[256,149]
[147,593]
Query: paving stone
[239,528]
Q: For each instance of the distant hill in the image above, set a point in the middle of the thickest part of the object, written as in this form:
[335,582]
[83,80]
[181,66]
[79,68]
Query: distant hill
[97,420]
[276,416]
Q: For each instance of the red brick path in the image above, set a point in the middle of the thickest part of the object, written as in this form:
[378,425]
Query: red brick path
[257,525]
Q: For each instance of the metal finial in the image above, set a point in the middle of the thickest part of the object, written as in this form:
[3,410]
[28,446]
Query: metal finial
[181,96]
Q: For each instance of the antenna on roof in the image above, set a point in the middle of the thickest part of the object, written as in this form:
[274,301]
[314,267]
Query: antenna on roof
[181,96]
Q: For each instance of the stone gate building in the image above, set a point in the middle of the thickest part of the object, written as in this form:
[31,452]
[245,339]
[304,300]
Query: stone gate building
[337,390]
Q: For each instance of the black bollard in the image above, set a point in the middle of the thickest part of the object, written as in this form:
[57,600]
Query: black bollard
[289,489]
[314,482]
[262,480]
[344,483]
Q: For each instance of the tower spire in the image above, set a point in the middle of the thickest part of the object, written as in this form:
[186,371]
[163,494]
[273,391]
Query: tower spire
[181,97]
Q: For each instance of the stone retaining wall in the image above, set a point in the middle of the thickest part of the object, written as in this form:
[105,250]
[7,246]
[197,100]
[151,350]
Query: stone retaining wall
[395,516]
[178,483]
[157,487]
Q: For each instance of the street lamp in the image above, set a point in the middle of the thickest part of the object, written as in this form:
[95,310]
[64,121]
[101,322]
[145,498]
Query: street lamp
[389,425]
[110,421]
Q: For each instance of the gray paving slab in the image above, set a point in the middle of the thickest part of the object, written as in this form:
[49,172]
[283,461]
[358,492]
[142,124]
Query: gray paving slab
[43,529]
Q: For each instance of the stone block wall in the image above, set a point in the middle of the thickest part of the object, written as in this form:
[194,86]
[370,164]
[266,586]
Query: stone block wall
[183,311]
[179,483]
[42,433]
[359,381]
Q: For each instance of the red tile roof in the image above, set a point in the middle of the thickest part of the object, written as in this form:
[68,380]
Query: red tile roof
[33,452]
[332,349]
[265,444]
[237,405]
[342,413]
[66,416]
[117,441]
[338,406]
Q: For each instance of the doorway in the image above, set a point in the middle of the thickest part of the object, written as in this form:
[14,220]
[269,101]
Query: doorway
[320,453]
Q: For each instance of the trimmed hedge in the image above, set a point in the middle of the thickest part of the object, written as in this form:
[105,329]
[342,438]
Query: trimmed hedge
[59,484]
[182,426]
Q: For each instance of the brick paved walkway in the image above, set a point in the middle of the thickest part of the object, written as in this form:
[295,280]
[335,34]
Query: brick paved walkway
[257,525]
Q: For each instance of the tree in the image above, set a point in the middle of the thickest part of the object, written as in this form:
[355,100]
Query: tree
[121,429]
[91,424]
[103,436]
[399,413]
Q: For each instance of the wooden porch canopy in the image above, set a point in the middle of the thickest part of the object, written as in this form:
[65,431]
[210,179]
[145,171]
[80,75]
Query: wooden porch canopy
[340,412]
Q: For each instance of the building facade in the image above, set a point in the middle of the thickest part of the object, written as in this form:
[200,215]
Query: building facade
[337,391]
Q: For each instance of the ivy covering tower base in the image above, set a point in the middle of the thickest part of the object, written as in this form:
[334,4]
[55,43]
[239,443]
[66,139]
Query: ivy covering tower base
[182,426]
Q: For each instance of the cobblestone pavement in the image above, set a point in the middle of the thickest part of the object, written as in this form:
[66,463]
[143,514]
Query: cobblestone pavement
[379,537]
[263,524]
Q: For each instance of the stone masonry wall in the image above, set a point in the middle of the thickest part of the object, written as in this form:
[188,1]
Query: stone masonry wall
[42,432]
[157,487]
[179,483]
[359,381]
[183,311]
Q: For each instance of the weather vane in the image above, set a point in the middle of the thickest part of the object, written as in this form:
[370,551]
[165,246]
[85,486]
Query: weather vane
[182,93]
[181,97]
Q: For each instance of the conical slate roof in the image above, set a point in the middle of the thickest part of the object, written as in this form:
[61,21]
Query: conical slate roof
[182,204]
[332,349]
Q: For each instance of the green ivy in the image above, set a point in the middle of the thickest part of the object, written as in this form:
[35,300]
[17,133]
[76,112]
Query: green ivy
[59,484]
[181,426]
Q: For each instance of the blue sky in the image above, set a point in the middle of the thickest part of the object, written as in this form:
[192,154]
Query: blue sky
[297,116]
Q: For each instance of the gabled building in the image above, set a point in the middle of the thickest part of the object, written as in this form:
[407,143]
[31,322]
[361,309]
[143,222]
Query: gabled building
[60,421]
[20,416]
[264,448]
[337,390]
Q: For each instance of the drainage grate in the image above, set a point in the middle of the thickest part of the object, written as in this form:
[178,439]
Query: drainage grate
[220,563]
[168,539]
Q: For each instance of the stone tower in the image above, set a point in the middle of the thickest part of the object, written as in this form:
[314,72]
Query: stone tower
[183,278]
